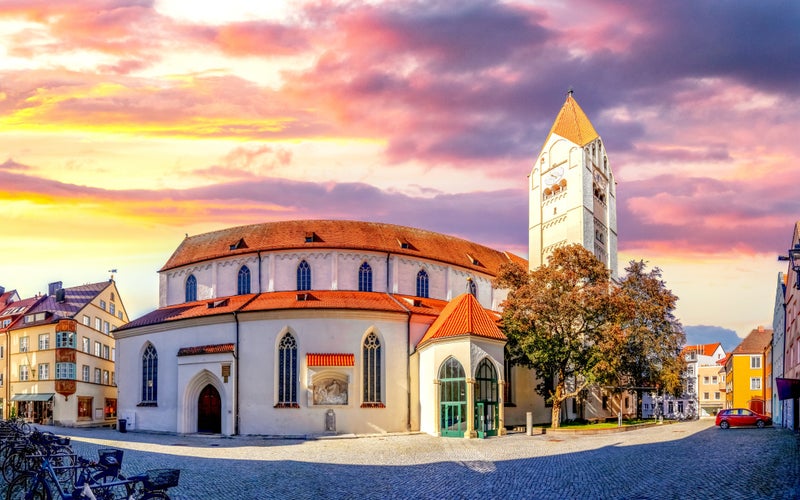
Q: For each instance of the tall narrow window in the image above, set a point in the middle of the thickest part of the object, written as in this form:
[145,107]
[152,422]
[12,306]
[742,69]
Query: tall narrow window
[508,390]
[150,375]
[303,276]
[371,354]
[472,288]
[365,278]
[191,288]
[422,284]
[244,281]
[287,371]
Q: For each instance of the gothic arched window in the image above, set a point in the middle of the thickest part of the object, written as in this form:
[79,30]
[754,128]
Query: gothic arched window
[422,283]
[287,371]
[472,288]
[365,278]
[191,288]
[303,276]
[150,375]
[244,281]
[371,354]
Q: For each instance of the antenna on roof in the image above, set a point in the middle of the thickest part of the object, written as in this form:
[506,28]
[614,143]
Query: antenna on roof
[570,90]
[112,271]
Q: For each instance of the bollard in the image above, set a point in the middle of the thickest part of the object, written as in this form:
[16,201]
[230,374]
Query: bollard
[529,423]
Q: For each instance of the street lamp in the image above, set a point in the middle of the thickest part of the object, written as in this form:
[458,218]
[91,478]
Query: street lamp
[794,261]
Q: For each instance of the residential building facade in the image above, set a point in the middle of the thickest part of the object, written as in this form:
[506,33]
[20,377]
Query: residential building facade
[61,353]
[711,389]
[791,354]
[779,407]
[745,372]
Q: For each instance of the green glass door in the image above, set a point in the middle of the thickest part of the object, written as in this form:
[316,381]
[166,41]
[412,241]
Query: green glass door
[453,419]
[452,399]
[486,400]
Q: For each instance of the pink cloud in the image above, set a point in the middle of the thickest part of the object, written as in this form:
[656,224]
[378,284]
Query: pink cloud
[260,38]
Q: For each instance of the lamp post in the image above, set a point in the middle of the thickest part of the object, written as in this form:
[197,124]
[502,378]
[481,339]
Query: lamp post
[794,262]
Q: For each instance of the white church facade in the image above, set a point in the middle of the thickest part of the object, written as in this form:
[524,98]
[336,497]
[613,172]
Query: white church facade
[313,326]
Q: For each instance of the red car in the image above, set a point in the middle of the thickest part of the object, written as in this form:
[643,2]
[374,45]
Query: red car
[737,417]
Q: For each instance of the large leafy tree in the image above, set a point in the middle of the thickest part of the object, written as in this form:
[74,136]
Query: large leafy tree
[643,354]
[557,319]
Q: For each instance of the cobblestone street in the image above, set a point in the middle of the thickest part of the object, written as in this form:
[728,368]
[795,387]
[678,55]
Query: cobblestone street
[682,460]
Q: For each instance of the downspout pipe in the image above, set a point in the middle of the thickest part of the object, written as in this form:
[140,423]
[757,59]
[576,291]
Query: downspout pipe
[236,376]
[408,360]
[408,370]
[408,345]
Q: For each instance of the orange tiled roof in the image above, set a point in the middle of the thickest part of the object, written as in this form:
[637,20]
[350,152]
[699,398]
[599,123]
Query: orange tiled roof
[197,309]
[291,300]
[573,124]
[755,342]
[330,359]
[702,349]
[463,316]
[348,235]
[205,349]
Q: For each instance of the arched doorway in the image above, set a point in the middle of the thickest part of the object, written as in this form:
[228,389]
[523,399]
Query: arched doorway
[209,411]
[486,399]
[452,399]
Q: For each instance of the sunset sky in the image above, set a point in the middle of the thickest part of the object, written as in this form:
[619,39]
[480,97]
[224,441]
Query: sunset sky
[125,125]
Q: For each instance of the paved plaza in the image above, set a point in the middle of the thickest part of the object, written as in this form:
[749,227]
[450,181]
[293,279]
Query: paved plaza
[684,460]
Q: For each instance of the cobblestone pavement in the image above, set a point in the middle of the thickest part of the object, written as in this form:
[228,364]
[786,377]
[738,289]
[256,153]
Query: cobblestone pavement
[685,460]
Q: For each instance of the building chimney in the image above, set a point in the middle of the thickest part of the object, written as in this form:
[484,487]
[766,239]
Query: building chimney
[2,290]
[53,287]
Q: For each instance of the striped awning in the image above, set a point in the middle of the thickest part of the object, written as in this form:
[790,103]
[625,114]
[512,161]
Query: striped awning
[330,359]
[46,396]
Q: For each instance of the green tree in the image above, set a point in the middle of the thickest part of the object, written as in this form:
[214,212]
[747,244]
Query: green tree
[647,339]
[556,319]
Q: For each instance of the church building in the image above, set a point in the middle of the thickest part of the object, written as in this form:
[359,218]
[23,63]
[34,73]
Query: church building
[306,327]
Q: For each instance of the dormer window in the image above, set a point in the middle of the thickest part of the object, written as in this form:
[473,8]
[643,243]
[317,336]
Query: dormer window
[473,260]
[311,237]
[405,244]
[217,303]
[239,244]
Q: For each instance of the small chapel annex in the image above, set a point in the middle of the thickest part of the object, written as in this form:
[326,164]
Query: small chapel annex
[311,326]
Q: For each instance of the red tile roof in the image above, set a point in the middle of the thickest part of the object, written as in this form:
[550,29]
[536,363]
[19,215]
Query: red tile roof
[6,297]
[205,349]
[701,349]
[330,359]
[463,315]
[187,310]
[339,234]
[573,124]
[755,342]
[293,300]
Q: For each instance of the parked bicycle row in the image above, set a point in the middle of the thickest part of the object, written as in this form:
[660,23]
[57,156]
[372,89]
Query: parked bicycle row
[42,466]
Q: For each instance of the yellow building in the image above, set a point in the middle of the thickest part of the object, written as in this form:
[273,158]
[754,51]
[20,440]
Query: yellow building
[745,372]
[711,389]
[59,362]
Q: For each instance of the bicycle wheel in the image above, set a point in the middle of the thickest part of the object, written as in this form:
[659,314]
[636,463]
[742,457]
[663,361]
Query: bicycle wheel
[27,487]
[154,495]
[15,464]
[63,463]
[106,485]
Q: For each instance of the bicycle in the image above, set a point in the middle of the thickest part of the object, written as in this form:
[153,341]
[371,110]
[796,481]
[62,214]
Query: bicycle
[24,454]
[43,483]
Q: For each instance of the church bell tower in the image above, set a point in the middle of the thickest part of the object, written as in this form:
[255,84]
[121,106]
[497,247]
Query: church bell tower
[572,193]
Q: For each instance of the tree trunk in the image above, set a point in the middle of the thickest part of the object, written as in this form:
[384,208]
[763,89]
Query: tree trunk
[639,394]
[555,414]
